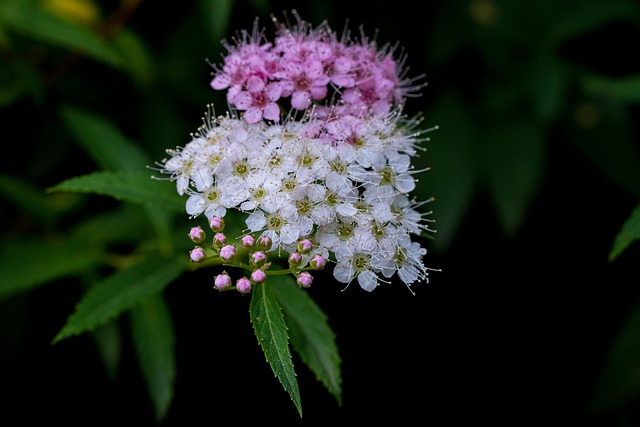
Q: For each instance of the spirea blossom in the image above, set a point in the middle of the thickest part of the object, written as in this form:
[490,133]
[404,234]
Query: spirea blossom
[330,185]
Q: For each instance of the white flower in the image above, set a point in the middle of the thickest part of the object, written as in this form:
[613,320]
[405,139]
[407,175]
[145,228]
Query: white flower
[355,264]
[276,218]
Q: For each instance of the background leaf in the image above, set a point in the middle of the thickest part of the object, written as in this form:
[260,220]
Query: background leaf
[619,380]
[108,147]
[27,17]
[271,331]
[120,292]
[515,167]
[27,263]
[310,334]
[629,233]
[154,339]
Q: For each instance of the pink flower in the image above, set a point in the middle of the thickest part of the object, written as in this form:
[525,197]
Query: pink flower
[258,276]
[197,254]
[228,253]
[259,100]
[304,82]
[305,279]
[197,234]
[222,281]
[243,285]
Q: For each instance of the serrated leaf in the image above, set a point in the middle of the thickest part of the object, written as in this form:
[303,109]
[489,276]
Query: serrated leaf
[629,233]
[130,186]
[27,17]
[27,263]
[310,334]
[120,292]
[108,147]
[154,341]
[271,331]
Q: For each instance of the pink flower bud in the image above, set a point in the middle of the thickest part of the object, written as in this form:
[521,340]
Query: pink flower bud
[222,281]
[219,240]
[197,234]
[248,242]
[295,259]
[258,276]
[318,262]
[257,259]
[228,253]
[217,224]
[265,243]
[243,285]
[304,246]
[305,279]
[197,254]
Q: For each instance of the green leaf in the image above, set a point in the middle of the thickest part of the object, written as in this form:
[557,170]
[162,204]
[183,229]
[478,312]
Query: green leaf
[517,154]
[619,159]
[120,292]
[622,89]
[310,333]
[27,263]
[629,233]
[453,174]
[126,223]
[135,187]
[28,18]
[547,84]
[216,15]
[108,147]
[589,16]
[32,200]
[136,55]
[271,331]
[154,340]
[618,382]
[108,340]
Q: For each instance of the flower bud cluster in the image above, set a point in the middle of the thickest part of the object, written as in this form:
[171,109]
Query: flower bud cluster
[330,186]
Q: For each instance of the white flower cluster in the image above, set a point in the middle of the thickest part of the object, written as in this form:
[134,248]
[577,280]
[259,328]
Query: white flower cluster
[349,195]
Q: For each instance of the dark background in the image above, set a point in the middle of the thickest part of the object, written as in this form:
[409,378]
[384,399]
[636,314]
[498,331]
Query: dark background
[515,330]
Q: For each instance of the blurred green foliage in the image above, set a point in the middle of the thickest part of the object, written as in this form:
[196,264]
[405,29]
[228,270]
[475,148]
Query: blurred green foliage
[105,87]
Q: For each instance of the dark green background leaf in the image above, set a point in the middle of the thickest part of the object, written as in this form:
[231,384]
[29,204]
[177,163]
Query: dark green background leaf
[154,339]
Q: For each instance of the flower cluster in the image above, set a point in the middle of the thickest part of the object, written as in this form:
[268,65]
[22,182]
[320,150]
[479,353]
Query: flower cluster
[309,65]
[331,186]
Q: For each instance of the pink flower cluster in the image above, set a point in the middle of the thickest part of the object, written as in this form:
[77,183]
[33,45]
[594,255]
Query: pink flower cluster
[309,66]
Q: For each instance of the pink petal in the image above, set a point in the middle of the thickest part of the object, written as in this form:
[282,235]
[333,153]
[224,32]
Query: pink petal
[313,69]
[253,115]
[272,112]
[255,84]
[221,81]
[243,100]
[318,92]
[300,100]
[274,91]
